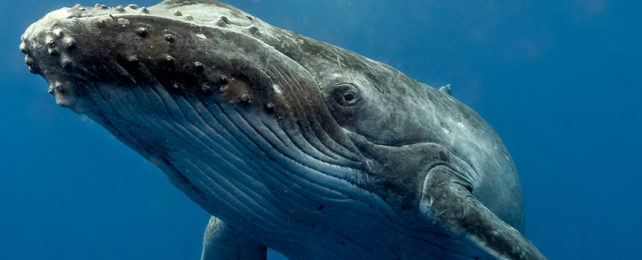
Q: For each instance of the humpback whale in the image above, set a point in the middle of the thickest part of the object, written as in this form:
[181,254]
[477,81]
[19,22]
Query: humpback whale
[288,142]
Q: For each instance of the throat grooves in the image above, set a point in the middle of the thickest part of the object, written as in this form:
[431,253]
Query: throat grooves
[245,165]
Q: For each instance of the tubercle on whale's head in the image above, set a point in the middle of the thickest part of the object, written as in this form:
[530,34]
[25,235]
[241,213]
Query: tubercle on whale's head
[180,45]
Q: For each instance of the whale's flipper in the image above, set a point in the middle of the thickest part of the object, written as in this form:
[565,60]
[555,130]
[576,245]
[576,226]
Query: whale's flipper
[222,242]
[449,199]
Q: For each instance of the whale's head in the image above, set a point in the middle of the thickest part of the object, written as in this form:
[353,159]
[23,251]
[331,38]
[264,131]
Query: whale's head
[225,103]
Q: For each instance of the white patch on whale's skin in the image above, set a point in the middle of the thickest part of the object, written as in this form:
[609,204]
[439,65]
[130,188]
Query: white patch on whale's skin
[277,89]
[58,14]
[123,21]
[62,99]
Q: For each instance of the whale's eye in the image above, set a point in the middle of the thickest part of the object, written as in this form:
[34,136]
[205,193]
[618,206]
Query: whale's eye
[347,95]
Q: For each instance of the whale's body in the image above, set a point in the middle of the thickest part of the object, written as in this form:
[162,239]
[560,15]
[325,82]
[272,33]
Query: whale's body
[288,142]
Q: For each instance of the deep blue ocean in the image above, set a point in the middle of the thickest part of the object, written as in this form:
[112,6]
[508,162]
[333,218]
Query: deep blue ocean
[560,81]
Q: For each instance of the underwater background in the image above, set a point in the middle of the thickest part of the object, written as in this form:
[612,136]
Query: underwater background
[560,81]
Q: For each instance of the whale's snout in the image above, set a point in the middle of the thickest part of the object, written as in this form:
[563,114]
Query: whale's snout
[49,46]
[77,48]
[67,47]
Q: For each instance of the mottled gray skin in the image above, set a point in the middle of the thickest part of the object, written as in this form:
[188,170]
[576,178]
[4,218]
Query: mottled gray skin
[288,142]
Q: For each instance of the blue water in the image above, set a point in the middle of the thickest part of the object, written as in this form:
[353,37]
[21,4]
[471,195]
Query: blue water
[560,81]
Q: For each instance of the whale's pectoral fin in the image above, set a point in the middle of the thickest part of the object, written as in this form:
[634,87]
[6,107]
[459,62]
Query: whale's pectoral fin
[223,242]
[449,200]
